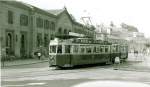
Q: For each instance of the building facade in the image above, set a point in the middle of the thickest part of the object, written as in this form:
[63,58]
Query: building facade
[126,34]
[25,29]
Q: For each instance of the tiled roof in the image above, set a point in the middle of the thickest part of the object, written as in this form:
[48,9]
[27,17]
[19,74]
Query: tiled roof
[27,7]
[19,4]
[55,11]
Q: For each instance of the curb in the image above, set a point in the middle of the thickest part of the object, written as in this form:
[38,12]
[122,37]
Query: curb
[24,64]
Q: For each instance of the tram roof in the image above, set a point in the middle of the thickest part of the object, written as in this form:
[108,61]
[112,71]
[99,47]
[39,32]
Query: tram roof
[70,35]
[63,36]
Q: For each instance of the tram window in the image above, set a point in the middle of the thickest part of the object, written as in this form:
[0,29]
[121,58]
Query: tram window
[59,50]
[122,49]
[101,49]
[94,50]
[82,50]
[67,48]
[106,49]
[97,49]
[117,48]
[52,49]
[88,50]
[75,49]
[114,48]
[125,49]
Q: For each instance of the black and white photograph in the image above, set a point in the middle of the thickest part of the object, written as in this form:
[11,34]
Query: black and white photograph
[75,43]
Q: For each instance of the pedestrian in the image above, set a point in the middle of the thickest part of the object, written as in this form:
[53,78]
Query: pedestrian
[135,53]
[148,52]
[117,63]
[39,55]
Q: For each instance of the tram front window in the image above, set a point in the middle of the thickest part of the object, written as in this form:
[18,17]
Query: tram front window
[52,49]
[59,50]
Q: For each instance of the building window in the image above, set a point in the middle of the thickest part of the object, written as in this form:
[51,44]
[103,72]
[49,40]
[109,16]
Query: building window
[53,25]
[39,40]
[46,24]
[65,31]
[10,17]
[60,31]
[23,20]
[16,38]
[39,22]
[9,43]
[46,40]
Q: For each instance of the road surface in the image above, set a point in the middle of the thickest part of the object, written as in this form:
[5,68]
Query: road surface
[39,75]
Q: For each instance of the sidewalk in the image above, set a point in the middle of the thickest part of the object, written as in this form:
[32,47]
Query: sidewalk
[139,63]
[22,62]
[144,60]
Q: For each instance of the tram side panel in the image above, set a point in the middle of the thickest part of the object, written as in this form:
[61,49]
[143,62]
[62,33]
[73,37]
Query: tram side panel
[102,54]
[81,59]
[63,60]
[101,58]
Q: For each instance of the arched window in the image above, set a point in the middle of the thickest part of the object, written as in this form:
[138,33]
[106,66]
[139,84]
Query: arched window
[22,47]
[39,39]
[9,41]
[45,40]
[22,41]
[60,30]
[65,31]
[53,25]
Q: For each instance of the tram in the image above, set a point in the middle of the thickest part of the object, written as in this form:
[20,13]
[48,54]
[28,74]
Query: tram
[83,51]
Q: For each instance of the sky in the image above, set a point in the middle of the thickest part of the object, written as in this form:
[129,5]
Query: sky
[132,12]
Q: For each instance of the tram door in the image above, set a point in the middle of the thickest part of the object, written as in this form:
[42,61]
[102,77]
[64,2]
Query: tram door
[52,55]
